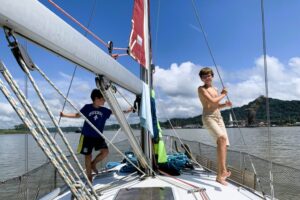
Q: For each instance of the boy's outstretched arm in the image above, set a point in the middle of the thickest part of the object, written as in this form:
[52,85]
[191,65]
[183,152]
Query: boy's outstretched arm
[70,115]
[126,111]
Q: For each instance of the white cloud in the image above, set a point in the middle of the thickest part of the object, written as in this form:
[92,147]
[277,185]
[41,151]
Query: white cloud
[177,85]
[6,109]
[178,80]
[176,90]
[8,117]
[294,63]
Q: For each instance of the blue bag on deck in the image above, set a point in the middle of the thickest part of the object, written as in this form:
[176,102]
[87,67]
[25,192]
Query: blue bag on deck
[129,168]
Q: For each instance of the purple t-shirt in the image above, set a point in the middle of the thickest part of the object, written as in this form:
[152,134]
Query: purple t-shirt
[97,116]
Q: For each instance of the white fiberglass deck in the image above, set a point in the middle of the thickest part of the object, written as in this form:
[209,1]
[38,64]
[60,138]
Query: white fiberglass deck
[199,178]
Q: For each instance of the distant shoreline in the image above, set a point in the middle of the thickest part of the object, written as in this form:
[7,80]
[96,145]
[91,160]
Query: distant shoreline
[12,131]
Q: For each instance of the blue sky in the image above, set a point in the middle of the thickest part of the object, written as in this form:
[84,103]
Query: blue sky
[233,28]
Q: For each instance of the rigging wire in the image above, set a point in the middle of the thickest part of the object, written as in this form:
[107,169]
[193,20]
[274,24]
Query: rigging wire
[156,39]
[87,120]
[84,27]
[203,194]
[221,80]
[177,136]
[206,41]
[117,133]
[267,96]
[29,123]
[156,31]
[78,23]
[76,66]
[155,42]
[26,135]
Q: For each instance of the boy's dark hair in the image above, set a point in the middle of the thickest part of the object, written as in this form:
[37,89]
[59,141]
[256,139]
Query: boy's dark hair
[206,71]
[96,93]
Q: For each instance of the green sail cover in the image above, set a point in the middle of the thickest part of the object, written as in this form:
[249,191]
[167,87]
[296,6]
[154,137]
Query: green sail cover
[159,147]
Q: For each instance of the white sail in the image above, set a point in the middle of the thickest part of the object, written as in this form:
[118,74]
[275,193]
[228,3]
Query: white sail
[230,118]
[230,121]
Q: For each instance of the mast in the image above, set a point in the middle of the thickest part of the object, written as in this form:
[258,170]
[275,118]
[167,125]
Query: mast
[146,76]
[148,59]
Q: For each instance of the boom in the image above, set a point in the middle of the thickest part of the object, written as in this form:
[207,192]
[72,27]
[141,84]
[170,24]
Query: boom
[32,20]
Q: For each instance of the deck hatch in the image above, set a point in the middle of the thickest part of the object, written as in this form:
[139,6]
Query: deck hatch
[149,193]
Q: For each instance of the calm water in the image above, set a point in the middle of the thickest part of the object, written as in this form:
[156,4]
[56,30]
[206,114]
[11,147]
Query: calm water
[285,146]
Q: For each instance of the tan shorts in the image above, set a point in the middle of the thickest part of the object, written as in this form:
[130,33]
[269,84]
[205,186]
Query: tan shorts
[215,125]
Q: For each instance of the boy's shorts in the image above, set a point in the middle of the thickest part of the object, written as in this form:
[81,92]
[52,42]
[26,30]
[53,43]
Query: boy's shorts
[215,125]
[86,144]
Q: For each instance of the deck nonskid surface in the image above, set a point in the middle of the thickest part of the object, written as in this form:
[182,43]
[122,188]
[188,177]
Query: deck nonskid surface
[109,184]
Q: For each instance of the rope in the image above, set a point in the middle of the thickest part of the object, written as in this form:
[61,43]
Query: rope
[26,135]
[118,131]
[127,101]
[71,82]
[77,110]
[20,189]
[60,133]
[39,184]
[37,137]
[267,97]
[201,190]
[82,26]
[115,56]
[120,48]
[206,41]
[108,94]
[44,132]
[69,88]
[216,67]
[156,31]
[184,147]
[177,136]
[78,23]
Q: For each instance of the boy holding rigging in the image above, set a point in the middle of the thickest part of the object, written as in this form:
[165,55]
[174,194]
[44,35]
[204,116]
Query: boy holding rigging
[213,121]
[97,114]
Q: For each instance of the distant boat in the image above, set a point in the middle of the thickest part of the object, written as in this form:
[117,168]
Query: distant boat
[78,130]
[230,122]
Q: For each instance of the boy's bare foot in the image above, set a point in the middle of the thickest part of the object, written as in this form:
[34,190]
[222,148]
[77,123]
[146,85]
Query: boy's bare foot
[94,168]
[226,174]
[221,181]
[90,177]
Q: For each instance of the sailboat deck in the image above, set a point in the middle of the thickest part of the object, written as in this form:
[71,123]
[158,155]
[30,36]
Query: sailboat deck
[186,186]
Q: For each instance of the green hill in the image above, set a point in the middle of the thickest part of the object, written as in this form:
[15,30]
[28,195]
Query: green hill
[281,113]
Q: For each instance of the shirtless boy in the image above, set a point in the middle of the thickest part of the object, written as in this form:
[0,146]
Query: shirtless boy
[213,121]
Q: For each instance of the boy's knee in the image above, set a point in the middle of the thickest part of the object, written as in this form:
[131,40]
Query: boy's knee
[222,139]
[105,151]
[88,157]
